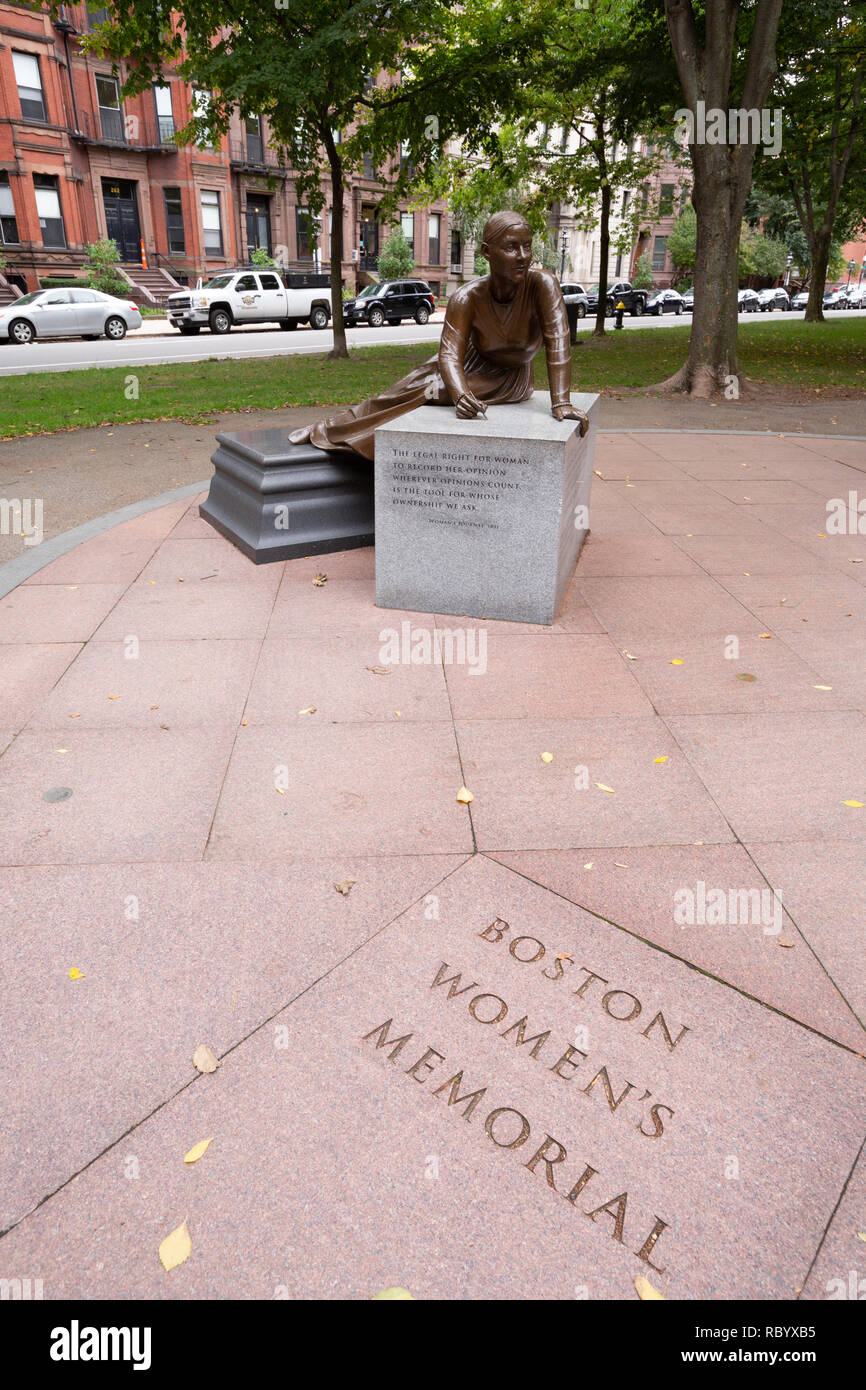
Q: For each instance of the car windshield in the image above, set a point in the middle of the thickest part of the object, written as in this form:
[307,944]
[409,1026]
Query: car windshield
[219,282]
[593,289]
[28,298]
[368,291]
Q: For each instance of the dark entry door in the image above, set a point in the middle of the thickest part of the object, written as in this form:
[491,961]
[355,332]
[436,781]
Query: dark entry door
[121,217]
[258,222]
[369,237]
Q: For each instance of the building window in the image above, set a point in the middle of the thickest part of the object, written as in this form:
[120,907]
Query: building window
[95,16]
[435,225]
[305,229]
[407,222]
[211,223]
[174,221]
[110,114]
[201,102]
[164,114]
[456,248]
[8,224]
[29,80]
[48,209]
[660,247]
[255,140]
[369,167]
[666,200]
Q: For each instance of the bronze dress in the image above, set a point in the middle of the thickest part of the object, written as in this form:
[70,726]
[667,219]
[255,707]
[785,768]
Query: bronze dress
[487,347]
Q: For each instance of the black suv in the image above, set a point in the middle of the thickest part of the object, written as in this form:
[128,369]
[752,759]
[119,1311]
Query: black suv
[390,301]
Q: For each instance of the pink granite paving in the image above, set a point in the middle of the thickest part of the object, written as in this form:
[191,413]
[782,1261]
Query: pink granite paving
[338,1165]
[154,684]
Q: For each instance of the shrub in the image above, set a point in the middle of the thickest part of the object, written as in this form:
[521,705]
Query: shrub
[396,259]
[101,267]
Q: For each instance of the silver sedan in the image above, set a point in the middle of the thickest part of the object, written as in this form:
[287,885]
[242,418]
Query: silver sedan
[67,314]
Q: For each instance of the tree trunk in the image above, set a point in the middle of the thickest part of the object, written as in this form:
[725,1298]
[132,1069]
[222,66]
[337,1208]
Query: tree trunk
[719,197]
[722,177]
[339,348]
[603,259]
[819,245]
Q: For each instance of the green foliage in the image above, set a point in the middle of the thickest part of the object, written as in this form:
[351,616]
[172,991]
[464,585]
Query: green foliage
[643,276]
[683,241]
[396,258]
[63,282]
[101,266]
[760,255]
[2,261]
[261,256]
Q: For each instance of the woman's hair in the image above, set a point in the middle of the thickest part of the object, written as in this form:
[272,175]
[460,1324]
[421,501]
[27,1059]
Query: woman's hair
[499,224]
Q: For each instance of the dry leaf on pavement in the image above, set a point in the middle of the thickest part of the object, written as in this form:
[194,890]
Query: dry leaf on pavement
[345,886]
[197,1151]
[204,1060]
[176,1247]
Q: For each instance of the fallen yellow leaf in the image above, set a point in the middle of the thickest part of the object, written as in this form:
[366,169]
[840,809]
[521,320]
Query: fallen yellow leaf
[75,973]
[590,864]
[393,1295]
[765,634]
[345,886]
[204,1060]
[464,796]
[197,1151]
[176,1247]
[662,759]
[547,757]
[676,661]
[379,670]
[319,580]
[784,942]
[853,803]
[822,687]
[646,1290]
[603,788]
[311,709]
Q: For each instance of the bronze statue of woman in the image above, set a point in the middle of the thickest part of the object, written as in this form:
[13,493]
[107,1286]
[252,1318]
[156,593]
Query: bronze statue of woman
[493,329]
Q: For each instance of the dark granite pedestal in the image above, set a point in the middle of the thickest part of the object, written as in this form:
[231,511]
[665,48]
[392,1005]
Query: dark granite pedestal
[275,500]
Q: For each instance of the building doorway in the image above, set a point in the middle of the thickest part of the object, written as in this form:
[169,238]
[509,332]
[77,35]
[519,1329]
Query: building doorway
[121,217]
[258,223]
[369,237]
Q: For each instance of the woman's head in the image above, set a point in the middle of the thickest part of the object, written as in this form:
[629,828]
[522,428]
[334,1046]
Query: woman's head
[506,242]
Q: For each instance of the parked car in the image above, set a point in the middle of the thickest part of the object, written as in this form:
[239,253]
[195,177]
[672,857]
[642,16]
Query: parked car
[67,314]
[835,299]
[665,302]
[773,299]
[857,297]
[800,300]
[689,300]
[748,302]
[620,292]
[390,301]
[252,295]
[576,295]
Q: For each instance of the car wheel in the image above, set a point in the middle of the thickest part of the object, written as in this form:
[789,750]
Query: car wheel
[637,311]
[376,318]
[581,311]
[319,318]
[287,325]
[422,314]
[678,309]
[608,310]
[188,329]
[220,321]
[115,328]
[21,331]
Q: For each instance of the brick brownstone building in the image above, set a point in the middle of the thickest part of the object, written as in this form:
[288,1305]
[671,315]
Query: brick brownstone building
[78,164]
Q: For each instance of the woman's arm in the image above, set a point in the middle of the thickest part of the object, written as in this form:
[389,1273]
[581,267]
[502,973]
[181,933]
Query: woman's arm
[557,349]
[452,351]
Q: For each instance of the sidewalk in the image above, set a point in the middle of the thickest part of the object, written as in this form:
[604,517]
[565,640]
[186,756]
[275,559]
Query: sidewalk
[625,1076]
[160,327]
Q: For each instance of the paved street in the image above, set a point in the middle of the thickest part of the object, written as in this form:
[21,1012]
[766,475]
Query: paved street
[156,342]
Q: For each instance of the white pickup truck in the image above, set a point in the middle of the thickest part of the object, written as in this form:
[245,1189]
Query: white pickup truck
[253,295]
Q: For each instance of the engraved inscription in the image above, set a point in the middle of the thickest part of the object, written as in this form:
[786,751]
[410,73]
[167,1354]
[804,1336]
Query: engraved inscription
[452,487]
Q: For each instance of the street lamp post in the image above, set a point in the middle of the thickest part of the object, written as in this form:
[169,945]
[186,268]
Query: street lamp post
[790,262]
[563,242]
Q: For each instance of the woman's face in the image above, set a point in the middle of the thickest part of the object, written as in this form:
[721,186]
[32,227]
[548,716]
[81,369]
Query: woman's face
[510,256]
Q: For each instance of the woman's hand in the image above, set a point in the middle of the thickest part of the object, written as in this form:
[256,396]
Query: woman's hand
[469,408]
[570,412]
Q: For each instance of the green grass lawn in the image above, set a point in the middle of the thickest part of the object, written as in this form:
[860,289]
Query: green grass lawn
[787,352]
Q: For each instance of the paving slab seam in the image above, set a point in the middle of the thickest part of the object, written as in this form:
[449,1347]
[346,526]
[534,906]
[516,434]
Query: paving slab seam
[739,843]
[831,1219]
[24,566]
[672,955]
[263,1023]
